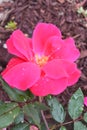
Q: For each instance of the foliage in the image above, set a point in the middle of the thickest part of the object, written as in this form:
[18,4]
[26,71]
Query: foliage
[85,117]
[12,25]
[82,11]
[79,126]
[75,106]
[56,110]
[23,113]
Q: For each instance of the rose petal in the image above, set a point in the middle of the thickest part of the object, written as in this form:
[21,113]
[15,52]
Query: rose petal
[54,69]
[74,77]
[57,69]
[12,63]
[72,71]
[52,45]
[69,66]
[19,44]
[42,32]
[47,86]
[22,76]
[12,49]
[68,50]
[85,101]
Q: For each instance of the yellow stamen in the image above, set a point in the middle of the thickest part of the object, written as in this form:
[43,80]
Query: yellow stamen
[41,60]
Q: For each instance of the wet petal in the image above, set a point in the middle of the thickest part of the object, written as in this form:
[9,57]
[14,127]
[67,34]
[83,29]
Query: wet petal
[52,45]
[12,63]
[12,49]
[55,69]
[72,71]
[19,45]
[74,77]
[47,86]
[23,75]
[42,32]
[68,50]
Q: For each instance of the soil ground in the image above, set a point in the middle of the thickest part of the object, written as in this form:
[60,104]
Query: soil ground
[62,13]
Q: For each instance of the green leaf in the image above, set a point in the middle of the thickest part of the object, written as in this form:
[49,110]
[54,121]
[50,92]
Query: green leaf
[19,118]
[21,126]
[85,13]
[62,128]
[43,126]
[79,126]
[8,112]
[80,10]
[11,25]
[40,106]
[1,102]
[75,106]
[57,110]
[15,94]
[32,112]
[85,117]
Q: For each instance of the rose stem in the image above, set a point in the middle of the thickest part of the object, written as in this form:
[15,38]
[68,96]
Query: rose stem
[43,116]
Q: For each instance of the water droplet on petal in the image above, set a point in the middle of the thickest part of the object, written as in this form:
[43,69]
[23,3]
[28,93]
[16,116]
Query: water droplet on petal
[47,80]
[58,48]
[23,69]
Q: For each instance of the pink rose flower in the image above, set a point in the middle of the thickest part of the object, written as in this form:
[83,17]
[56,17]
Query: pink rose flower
[85,101]
[44,63]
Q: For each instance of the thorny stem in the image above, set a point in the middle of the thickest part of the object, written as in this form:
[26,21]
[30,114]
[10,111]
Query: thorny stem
[43,116]
[66,123]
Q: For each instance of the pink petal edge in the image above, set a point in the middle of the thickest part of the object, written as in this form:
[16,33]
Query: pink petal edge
[13,62]
[19,44]
[73,72]
[52,46]
[47,86]
[11,48]
[68,50]
[55,69]
[27,75]
[42,32]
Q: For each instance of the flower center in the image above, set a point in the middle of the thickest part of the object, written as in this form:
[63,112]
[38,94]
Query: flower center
[41,60]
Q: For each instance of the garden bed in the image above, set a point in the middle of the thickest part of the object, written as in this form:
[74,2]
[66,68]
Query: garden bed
[62,13]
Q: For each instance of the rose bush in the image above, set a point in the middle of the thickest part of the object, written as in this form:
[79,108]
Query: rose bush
[44,63]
